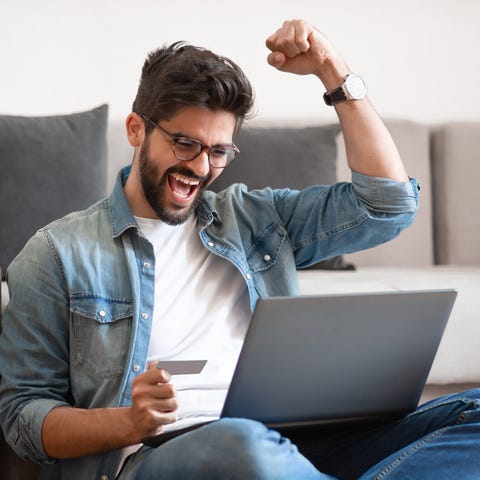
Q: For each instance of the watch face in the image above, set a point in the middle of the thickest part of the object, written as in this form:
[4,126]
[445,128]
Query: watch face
[356,86]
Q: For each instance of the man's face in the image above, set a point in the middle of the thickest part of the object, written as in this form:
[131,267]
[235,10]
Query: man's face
[173,187]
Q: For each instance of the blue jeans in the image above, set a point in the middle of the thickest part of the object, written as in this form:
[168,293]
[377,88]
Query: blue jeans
[439,441]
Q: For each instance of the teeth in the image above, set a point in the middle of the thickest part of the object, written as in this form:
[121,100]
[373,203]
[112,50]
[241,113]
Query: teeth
[188,181]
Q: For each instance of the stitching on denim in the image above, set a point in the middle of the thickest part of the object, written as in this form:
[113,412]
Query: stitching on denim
[465,413]
[334,231]
[446,402]
[387,470]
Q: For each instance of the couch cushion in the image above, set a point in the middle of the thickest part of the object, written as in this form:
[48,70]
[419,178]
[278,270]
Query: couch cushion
[458,356]
[280,157]
[120,152]
[456,177]
[50,166]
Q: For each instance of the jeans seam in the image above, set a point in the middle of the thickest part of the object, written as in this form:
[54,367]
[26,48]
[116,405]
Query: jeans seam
[387,470]
[460,420]
[466,401]
[465,413]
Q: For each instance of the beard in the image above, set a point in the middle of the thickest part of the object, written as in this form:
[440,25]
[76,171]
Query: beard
[155,190]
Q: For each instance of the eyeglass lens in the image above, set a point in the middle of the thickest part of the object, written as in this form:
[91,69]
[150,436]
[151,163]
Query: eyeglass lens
[185,150]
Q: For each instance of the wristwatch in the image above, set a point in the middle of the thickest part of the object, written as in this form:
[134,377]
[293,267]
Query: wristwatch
[353,88]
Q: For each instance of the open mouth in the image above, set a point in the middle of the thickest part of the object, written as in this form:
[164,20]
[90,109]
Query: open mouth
[183,187]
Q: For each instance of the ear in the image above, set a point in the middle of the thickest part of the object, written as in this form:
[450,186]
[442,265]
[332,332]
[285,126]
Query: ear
[135,130]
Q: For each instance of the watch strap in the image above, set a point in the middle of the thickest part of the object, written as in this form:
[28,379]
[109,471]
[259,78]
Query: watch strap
[335,96]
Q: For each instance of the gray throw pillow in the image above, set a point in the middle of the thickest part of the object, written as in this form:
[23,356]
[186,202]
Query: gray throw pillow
[49,166]
[285,157]
[282,157]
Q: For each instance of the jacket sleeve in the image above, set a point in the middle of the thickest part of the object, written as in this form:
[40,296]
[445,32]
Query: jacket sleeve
[33,348]
[324,221]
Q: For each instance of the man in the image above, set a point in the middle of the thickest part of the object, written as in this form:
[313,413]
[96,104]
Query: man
[165,269]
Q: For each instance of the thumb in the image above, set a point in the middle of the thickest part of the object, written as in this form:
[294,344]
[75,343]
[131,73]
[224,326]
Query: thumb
[276,59]
[152,365]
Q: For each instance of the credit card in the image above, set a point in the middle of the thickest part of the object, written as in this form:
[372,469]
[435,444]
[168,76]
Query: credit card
[182,367]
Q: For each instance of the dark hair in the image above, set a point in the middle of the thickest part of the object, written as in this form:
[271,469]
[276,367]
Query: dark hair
[181,75]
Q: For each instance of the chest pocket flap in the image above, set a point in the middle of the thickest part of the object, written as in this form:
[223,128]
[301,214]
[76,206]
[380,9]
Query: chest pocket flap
[266,246]
[100,335]
[101,309]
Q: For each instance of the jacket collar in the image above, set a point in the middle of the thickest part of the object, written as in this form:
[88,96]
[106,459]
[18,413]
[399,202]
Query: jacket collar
[122,218]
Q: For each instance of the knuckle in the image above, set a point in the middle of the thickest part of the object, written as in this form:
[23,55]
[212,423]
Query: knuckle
[164,375]
[171,418]
[169,390]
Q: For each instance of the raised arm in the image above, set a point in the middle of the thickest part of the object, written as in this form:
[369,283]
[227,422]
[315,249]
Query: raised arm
[298,47]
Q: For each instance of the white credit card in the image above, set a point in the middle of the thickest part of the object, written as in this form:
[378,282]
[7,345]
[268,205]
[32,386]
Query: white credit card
[181,367]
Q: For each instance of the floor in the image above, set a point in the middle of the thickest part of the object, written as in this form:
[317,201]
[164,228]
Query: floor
[435,391]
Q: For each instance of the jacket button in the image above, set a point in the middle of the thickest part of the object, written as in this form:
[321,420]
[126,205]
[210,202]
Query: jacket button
[210,244]
[102,313]
[248,276]
[136,368]
[267,258]
[144,315]
[103,477]
[146,264]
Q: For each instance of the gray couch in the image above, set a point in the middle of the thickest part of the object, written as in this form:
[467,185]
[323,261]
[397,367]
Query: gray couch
[439,251]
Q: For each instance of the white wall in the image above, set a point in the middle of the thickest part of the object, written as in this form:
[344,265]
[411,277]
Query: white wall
[420,56]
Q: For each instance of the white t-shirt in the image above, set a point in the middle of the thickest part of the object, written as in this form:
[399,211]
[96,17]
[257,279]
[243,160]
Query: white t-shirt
[201,312]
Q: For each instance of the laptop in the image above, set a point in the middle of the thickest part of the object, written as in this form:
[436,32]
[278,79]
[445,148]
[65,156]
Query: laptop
[330,359]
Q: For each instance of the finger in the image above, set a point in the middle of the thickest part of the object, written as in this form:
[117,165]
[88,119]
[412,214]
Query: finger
[283,40]
[163,375]
[166,405]
[147,383]
[152,365]
[291,38]
[154,392]
[302,33]
[276,59]
[170,418]
[166,418]
[163,390]
[155,422]
[155,375]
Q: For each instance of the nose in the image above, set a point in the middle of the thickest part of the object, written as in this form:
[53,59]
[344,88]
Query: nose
[200,164]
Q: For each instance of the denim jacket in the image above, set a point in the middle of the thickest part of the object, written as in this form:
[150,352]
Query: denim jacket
[77,327]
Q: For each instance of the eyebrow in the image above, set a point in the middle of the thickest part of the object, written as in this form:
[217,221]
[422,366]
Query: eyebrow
[188,137]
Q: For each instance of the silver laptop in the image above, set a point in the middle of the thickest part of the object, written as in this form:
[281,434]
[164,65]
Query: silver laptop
[337,358]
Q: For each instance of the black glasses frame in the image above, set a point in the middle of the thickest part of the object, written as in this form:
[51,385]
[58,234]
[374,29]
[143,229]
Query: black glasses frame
[230,154]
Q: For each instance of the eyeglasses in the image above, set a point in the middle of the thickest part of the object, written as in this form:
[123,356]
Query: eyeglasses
[186,149]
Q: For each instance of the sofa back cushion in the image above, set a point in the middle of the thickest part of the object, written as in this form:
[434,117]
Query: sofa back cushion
[456,177]
[280,157]
[50,166]
[414,246]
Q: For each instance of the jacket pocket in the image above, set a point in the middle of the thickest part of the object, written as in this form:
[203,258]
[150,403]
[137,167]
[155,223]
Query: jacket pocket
[266,246]
[100,334]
